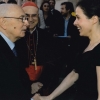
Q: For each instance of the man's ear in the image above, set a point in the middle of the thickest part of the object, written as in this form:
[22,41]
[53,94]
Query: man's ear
[3,23]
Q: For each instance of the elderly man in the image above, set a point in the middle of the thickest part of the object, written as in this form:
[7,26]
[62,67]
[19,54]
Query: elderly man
[14,81]
[34,38]
[34,35]
[38,41]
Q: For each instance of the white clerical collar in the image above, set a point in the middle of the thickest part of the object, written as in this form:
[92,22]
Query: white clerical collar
[32,30]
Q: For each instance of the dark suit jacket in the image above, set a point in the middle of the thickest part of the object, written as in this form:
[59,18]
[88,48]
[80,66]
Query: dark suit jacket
[57,23]
[78,42]
[14,81]
[71,29]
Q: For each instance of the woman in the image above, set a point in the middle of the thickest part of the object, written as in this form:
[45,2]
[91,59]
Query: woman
[45,7]
[41,20]
[86,70]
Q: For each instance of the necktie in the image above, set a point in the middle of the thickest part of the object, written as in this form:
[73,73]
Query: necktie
[14,51]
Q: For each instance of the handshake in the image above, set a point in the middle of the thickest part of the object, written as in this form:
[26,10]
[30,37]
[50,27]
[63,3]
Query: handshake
[34,88]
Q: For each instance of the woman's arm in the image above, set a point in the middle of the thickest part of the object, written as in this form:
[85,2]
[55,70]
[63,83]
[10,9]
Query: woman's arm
[65,84]
[98,81]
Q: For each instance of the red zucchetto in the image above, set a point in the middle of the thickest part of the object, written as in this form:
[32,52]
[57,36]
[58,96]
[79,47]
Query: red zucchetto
[29,3]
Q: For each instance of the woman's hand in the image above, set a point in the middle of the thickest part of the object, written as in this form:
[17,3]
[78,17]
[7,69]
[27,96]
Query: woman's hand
[45,98]
[38,97]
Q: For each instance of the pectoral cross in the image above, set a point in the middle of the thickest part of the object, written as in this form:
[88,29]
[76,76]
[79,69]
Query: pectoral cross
[35,63]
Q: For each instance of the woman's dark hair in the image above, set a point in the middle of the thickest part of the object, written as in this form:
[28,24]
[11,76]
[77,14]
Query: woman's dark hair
[12,1]
[1,2]
[41,7]
[69,6]
[90,7]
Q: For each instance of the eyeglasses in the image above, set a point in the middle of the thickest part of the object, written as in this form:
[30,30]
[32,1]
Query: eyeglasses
[22,18]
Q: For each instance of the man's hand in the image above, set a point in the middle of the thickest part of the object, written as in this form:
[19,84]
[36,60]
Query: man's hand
[35,87]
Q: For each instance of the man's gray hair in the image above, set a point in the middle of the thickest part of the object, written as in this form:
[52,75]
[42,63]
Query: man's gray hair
[5,9]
